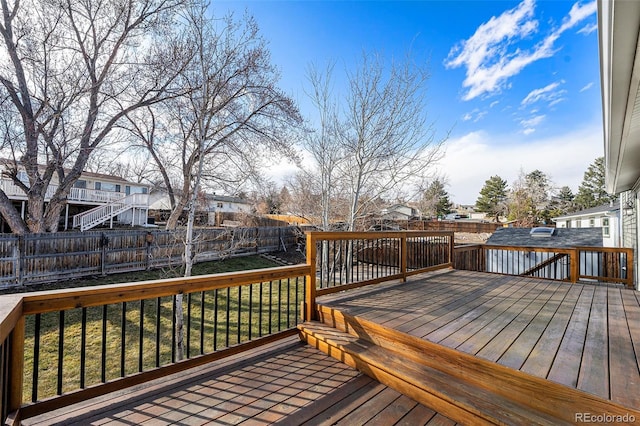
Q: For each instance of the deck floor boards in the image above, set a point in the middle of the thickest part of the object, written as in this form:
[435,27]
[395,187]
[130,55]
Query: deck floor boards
[287,383]
[582,335]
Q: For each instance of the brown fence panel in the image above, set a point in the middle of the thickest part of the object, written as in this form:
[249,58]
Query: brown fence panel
[60,256]
[125,251]
[38,258]
[9,260]
[469,257]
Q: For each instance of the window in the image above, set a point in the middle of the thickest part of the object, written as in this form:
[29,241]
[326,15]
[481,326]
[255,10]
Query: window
[97,186]
[80,184]
[569,223]
[219,205]
[578,223]
[592,222]
[605,227]
[23,177]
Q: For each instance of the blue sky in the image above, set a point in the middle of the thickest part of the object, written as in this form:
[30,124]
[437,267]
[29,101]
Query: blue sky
[516,83]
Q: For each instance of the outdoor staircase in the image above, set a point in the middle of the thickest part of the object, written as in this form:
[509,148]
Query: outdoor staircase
[467,389]
[100,214]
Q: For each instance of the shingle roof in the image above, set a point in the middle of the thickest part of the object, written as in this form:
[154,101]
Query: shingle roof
[562,237]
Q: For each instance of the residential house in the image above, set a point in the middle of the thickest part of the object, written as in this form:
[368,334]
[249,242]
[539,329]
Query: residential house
[220,206]
[619,31]
[399,212]
[213,208]
[605,217]
[94,199]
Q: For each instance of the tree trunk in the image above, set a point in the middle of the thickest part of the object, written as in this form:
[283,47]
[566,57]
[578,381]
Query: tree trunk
[172,222]
[11,215]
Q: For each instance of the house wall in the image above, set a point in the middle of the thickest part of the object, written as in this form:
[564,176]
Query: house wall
[229,207]
[595,221]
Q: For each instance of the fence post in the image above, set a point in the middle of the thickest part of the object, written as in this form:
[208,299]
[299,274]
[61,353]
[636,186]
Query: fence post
[21,260]
[149,240]
[310,298]
[104,241]
[403,256]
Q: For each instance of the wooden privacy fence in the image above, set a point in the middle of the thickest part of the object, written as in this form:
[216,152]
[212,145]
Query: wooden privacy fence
[38,258]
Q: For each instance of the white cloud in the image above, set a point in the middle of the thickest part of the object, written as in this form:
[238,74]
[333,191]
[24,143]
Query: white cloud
[577,14]
[475,115]
[587,87]
[528,131]
[546,93]
[473,158]
[533,121]
[494,103]
[588,29]
[491,55]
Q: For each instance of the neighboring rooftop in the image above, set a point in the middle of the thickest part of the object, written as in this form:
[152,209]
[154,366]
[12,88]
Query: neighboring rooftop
[562,237]
[605,208]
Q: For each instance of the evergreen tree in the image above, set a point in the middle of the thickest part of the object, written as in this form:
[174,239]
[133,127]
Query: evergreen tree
[492,196]
[435,200]
[530,200]
[562,203]
[591,192]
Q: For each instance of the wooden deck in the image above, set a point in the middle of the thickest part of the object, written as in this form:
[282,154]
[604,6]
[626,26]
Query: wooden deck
[583,336]
[287,383]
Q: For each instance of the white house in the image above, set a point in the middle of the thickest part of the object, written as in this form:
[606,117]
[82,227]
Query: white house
[94,199]
[212,205]
[618,32]
[606,217]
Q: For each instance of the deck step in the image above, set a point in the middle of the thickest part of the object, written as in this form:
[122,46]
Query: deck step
[492,392]
[445,394]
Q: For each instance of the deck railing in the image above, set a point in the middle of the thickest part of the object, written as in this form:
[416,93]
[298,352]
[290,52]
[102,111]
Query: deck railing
[75,194]
[66,346]
[601,264]
[344,260]
[61,347]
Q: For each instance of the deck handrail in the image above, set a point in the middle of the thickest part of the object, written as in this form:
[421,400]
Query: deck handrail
[602,264]
[271,296]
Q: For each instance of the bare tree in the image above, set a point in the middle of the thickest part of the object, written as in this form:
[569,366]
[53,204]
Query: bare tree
[377,144]
[233,116]
[74,69]
[324,144]
[231,111]
[386,132]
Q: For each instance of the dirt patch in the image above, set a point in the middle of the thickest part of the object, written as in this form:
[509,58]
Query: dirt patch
[471,238]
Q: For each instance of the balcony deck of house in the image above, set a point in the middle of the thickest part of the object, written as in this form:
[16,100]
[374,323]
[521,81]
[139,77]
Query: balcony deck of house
[421,343]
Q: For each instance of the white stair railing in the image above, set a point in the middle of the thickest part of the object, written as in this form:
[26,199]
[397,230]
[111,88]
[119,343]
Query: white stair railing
[101,214]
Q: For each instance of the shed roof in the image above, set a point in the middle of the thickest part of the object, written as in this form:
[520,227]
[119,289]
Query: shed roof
[562,237]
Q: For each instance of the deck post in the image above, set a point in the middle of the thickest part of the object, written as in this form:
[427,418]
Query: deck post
[310,296]
[575,265]
[16,366]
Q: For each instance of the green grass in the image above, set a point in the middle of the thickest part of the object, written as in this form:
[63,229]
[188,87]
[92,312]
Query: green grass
[230,316]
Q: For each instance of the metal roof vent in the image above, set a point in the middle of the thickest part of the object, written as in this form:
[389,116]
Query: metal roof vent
[542,232]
